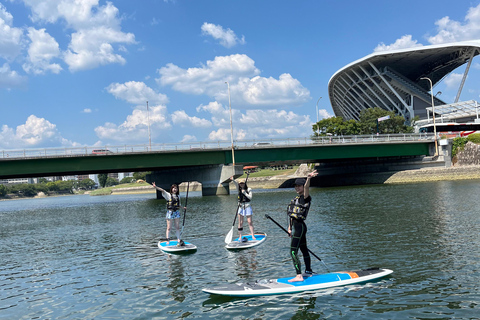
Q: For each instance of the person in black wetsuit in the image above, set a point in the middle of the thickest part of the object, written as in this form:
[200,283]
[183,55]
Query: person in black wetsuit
[297,213]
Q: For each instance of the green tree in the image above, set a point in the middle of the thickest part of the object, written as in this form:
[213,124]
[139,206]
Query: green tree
[86,184]
[102,179]
[368,122]
[335,126]
[64,185]
[111,182]
[140,175]
[42,180]
[127,180]
[3,190]
[52,186]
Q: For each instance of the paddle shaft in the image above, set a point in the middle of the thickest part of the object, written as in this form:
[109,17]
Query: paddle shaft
[267,216]
[185,210]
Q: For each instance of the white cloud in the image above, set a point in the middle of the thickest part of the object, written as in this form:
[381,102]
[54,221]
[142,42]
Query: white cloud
[87,110]
[11,38]
[137,93]
[324,114]
[210,77]
[92,48]
[453,31]
[135,127]
[10,78]
[402,43]
[97,30]
[181,118]
[255,124]
[43,48]
[189,138]
[247,88]
[452,81]
[259,91]
[36,132]
[227,38]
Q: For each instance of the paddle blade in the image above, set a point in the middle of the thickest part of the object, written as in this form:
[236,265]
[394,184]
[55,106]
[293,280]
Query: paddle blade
[229,236]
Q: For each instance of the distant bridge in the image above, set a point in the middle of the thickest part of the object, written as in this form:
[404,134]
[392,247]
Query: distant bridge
[186,161]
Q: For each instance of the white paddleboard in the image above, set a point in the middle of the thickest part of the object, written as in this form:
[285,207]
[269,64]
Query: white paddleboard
[313,282]
[172,247]
[237,243]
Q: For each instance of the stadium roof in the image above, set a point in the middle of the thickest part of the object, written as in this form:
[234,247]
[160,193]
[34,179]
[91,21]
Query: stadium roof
[392,80]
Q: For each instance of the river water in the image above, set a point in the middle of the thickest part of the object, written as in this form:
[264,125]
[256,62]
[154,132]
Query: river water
[84,257]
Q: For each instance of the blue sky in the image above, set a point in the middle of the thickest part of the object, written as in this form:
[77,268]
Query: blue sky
[79,72]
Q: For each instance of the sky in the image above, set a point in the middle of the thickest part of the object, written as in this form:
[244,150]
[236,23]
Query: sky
[80,72]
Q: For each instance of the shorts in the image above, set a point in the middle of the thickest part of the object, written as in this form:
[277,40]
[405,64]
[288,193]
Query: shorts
[247,211]
[173,214]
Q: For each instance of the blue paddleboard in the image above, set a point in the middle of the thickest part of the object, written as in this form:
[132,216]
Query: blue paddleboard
[311,282]
[172,247]
[247,241]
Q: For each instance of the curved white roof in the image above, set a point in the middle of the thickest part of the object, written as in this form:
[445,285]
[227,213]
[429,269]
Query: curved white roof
[391,79]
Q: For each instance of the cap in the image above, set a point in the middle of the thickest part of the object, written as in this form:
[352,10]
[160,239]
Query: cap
[300,181]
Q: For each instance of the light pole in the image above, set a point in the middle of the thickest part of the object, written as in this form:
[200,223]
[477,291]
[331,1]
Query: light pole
[318,129]
[231,125]
[148,122]
[317,107]
[433,111]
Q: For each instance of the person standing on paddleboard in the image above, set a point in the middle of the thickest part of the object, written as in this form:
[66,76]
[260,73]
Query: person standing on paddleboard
[297,229]
[173,213]
[244,208]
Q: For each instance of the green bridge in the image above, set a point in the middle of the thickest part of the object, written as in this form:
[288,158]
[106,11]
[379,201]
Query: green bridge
[186,164]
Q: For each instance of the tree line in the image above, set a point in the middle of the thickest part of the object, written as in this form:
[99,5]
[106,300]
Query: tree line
[70,186]
[367,124]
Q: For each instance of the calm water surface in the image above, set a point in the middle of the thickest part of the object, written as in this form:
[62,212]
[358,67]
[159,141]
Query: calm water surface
[83,257]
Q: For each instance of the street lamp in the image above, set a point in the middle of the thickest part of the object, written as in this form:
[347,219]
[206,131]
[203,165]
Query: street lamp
[148,121]
[231,125]
[433,111]
[317,107]
[318,129]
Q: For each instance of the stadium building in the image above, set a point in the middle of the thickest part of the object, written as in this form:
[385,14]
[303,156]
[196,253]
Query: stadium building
[401,81]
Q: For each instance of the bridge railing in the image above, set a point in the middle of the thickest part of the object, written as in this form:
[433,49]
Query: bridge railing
[207,145]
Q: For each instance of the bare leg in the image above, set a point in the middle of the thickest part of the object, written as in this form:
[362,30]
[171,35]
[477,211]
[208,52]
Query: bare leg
[240,226]
[250,225]
[177,228]
[169,226]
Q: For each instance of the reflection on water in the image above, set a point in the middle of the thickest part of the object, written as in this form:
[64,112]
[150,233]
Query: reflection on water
[81,257]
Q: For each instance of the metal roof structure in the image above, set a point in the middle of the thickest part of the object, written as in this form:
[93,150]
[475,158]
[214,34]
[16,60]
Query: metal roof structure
[392,80]
[463,112]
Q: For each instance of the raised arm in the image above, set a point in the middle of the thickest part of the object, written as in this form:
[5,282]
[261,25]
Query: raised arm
[306,187]
[165,194]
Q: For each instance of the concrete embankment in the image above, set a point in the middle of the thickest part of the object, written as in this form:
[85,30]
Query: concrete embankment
[286,181]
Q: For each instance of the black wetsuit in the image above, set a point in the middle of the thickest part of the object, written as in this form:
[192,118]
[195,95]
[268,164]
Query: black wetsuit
[298,210]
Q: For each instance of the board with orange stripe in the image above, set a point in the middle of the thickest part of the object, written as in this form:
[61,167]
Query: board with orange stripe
[310,282]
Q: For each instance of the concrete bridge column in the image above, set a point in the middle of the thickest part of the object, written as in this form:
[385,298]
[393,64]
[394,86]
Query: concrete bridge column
[214,178]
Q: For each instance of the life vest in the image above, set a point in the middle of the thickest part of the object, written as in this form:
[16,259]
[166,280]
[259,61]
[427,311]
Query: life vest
[296,210]
[242,198]
[174,203]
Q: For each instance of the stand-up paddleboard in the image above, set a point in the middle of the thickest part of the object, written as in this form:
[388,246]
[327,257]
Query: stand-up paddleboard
[313,282]
[247,241]
[173,248]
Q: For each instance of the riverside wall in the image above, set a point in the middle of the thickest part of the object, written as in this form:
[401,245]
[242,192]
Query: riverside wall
[466,167]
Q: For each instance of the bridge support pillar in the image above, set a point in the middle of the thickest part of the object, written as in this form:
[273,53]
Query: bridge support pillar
[214,178]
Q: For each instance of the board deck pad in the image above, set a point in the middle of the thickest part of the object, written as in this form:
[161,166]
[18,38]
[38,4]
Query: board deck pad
[311,282]
[173,248]
[260,237]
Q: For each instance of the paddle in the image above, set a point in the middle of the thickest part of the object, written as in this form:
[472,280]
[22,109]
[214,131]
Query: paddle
[185,210]
[229,236]
[268,217]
